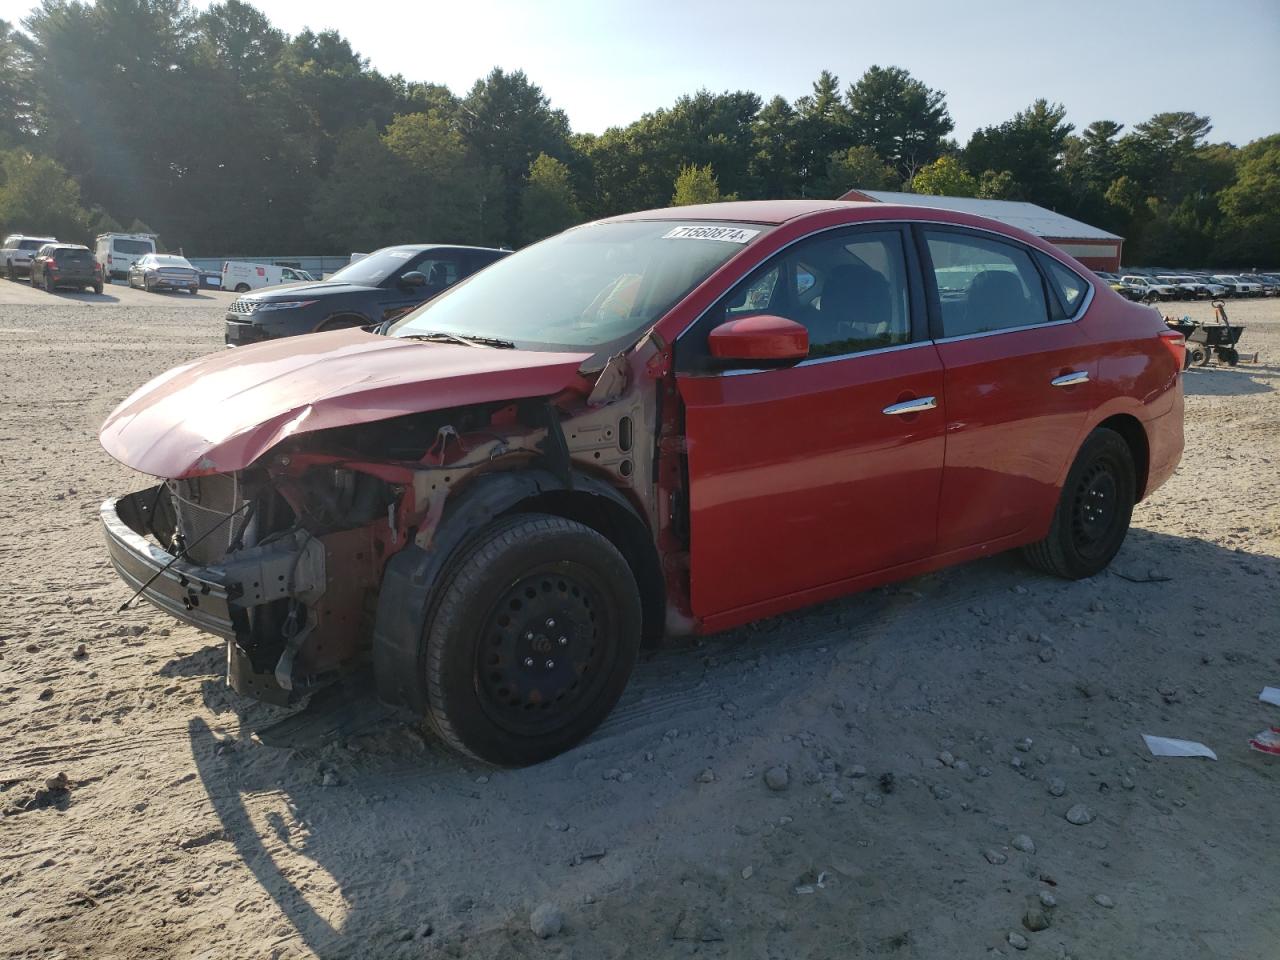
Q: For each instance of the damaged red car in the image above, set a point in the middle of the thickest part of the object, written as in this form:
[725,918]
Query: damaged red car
[663,423]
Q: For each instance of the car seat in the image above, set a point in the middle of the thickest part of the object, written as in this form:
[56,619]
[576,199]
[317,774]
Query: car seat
[996,300]
[856,306]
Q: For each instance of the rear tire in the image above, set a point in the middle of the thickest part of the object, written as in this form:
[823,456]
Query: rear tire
[97,288]
[1093,512]
[242,288]
[532,640]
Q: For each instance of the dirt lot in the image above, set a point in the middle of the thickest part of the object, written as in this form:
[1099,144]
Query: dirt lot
[935,735]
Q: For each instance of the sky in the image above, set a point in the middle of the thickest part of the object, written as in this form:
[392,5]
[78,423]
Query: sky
[606,62]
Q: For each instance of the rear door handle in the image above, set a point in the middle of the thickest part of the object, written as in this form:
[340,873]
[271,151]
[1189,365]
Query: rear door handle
[918,405]
[1070,379]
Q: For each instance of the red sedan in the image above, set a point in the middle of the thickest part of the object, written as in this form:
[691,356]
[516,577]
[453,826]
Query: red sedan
[667,422]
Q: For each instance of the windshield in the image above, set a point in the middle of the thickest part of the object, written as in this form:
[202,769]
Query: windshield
[590,288]
[372,270]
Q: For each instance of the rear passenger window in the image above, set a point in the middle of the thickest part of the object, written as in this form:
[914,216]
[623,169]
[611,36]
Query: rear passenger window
[984,285]
[1069,285]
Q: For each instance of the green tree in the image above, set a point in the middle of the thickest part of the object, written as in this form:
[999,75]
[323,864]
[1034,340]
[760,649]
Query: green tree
[996,186]
[37,196]
[905,122]
[821,129]
[696,185]
[1250,230]
[1030,147]
[945,177]
[15,88]
[773,163]
[440,200]
[856,167]
[549,204]
[506,121]
[357,207]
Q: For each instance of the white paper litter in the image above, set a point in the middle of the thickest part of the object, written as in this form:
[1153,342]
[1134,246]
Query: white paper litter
[1168,747]
[1270,695]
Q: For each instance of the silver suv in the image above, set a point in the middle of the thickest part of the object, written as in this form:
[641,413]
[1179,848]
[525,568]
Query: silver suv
[17,252]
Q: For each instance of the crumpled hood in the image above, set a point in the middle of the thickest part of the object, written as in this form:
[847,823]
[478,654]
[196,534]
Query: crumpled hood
[224,411]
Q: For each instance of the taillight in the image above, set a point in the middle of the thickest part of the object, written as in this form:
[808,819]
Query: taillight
[1177,345]
[52,265]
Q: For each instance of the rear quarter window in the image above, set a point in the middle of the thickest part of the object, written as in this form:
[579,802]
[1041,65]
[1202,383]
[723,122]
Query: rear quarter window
[1066,283]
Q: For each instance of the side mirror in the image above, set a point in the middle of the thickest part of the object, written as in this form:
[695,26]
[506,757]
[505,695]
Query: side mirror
[414,278]
[763,338]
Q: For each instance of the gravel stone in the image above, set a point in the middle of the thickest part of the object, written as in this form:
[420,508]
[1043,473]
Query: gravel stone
[1057,786]
[1018,941]
[1024,843]
[995,856]
[1048,900]
[777,778]
[707,776]
[1103,900]
[1036,919]
[546,921]
[1080,815]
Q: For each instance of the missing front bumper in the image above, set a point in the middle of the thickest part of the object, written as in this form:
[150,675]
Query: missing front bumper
[218,597]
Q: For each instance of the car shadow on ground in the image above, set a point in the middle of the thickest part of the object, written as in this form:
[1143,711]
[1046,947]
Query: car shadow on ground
[85,296]
[403,814]
[1224,381]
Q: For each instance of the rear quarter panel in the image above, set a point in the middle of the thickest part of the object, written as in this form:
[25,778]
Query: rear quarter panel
[1137,376]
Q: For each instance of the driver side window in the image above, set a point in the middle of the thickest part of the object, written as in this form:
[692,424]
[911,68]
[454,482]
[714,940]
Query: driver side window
[848,289]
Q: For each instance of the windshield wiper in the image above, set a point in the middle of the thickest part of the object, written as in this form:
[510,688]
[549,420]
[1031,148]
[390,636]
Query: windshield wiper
[439,336]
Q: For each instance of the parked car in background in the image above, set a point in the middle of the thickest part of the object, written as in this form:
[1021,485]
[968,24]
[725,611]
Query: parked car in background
[242,277]
[673,421]
[1150,288]
[1192,287]
[379,286]
[1270,285]
[66,265]
[1126,290]
[117,252]
[18,251]
[164,271]
[1239,286]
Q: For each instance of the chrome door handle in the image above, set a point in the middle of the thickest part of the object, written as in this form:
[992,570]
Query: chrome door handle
[910,406]
[1070,379]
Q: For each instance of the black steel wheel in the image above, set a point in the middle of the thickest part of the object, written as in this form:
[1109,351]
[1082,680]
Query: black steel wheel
[1094,509]
[1231,355]
[532,640]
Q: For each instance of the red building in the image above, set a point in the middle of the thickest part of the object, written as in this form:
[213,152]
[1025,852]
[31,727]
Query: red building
[1096,249]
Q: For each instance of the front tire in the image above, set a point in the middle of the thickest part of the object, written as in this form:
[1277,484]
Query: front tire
[1094,510]
[532,640]
[340,322]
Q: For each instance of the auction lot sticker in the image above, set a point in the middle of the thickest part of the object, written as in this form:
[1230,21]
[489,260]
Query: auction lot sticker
[728,234]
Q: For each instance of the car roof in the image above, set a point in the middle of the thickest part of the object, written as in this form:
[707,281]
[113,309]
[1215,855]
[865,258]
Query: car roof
[752,211]
[420,247]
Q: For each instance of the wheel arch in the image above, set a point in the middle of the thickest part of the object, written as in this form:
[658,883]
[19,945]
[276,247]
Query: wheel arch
[1134,435]
[407,596]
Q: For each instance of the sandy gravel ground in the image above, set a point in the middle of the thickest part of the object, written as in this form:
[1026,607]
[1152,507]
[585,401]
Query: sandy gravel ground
[933,735]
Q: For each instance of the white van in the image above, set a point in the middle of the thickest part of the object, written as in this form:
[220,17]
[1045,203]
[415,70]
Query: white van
[243,277]
[118,251]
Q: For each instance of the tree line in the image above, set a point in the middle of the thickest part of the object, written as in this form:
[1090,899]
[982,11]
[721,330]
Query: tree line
[224,135]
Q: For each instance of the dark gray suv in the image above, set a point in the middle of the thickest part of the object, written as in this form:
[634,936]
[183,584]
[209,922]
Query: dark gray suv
[381,286]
